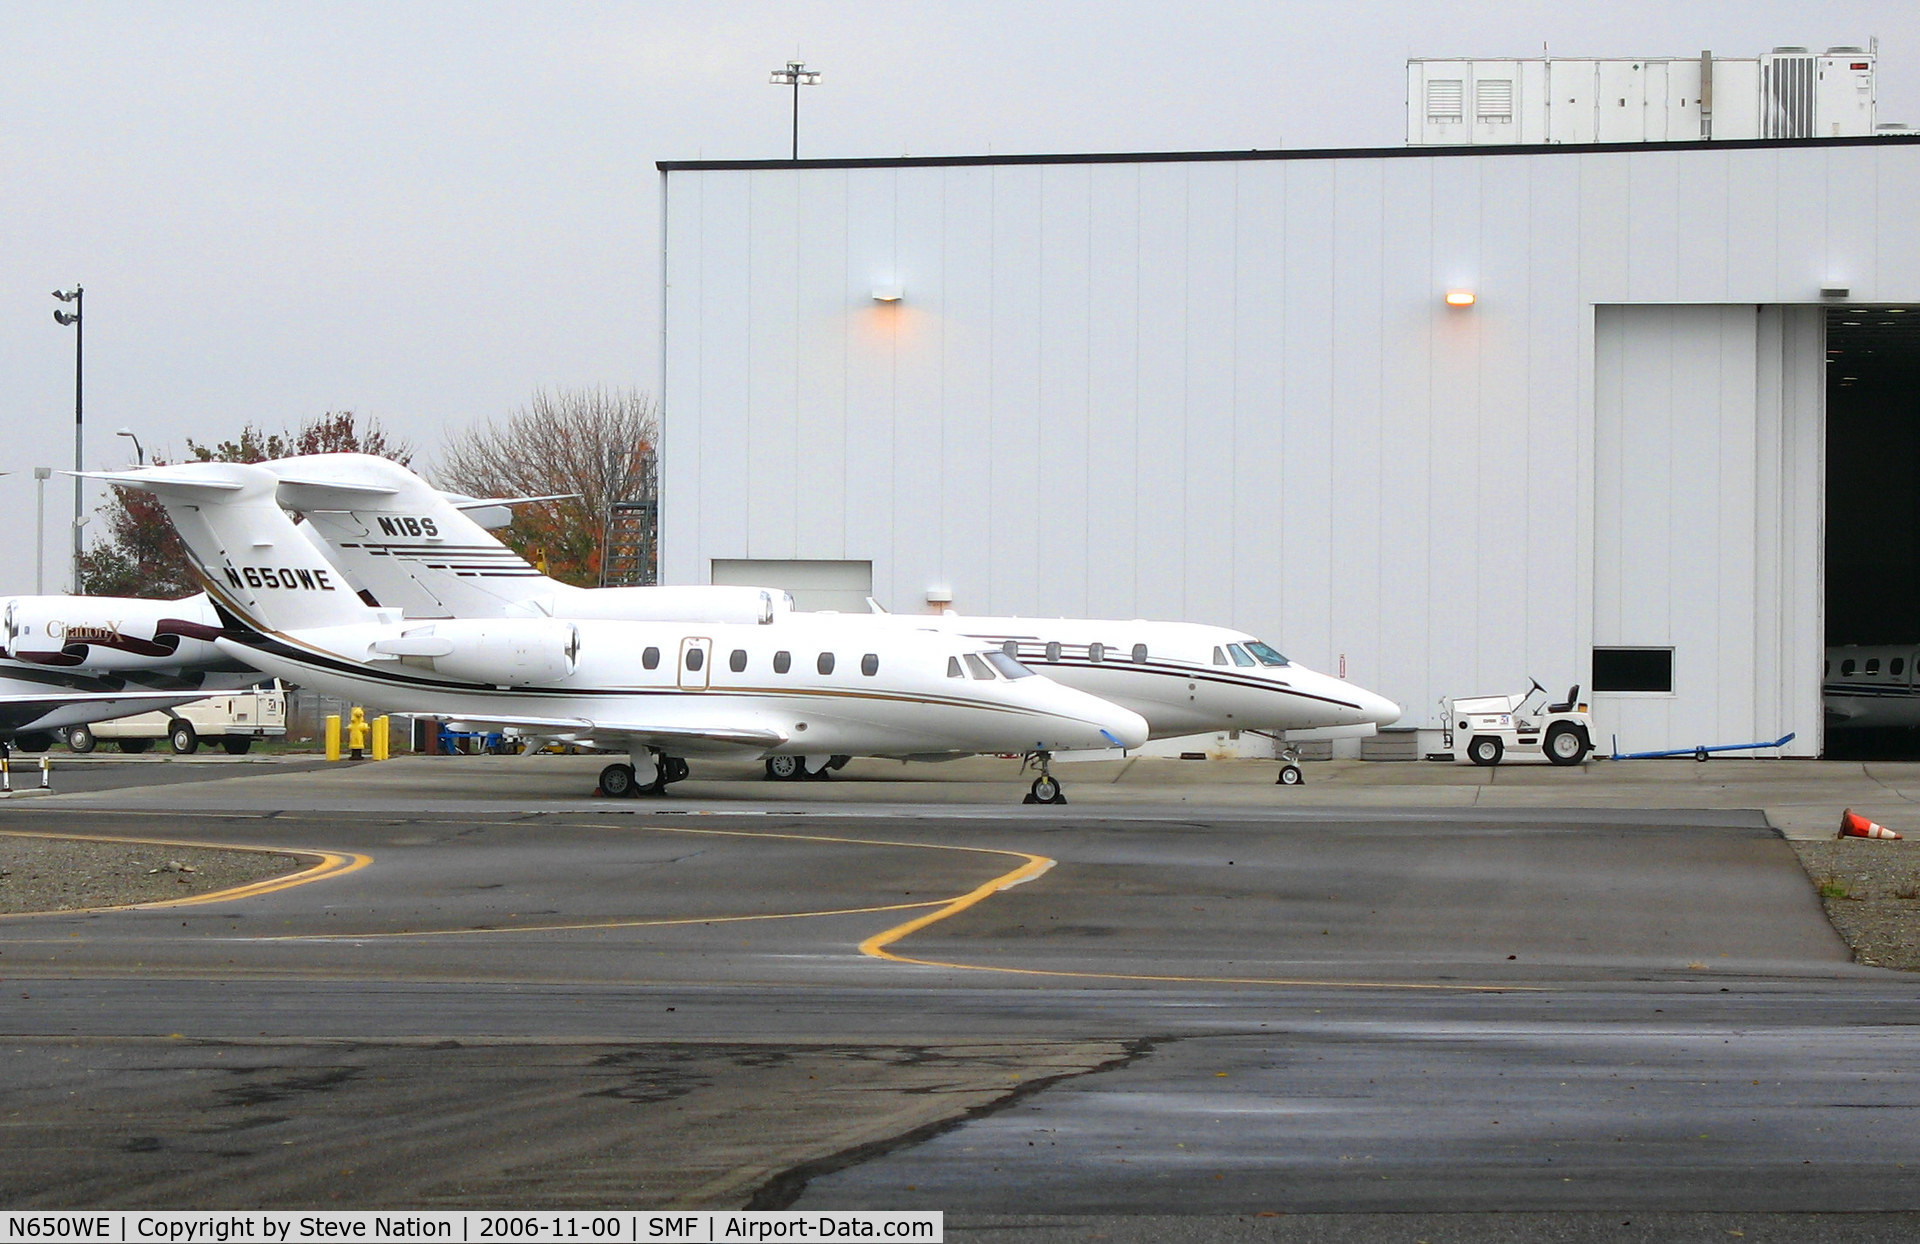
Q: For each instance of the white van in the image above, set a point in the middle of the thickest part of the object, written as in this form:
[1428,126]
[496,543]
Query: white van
[235,718]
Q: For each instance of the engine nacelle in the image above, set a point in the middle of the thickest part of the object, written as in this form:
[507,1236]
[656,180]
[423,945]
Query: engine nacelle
[503,652]
[109,632]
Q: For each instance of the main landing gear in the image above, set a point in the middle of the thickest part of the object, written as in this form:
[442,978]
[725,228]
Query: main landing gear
[650,774]
[1044,789]
[802,768]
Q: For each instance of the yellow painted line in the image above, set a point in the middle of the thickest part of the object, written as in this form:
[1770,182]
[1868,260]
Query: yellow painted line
[325,864]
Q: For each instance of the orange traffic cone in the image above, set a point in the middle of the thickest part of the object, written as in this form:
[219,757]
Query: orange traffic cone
[1853,825]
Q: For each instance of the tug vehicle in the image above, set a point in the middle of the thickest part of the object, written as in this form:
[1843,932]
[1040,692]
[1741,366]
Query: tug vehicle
[1486,729]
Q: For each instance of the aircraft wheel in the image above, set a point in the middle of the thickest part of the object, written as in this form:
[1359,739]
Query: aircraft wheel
[182,739]
[1045,790]
[1566,745]
[237,744]
[616,781]
[33,741]
[80,740]
[1485,751]
[784,768]
[1290,775]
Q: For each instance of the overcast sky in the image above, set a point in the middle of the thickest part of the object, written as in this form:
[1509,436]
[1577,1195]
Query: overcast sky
[423,212]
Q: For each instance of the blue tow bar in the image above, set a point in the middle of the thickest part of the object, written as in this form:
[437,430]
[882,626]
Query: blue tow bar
[1701,752]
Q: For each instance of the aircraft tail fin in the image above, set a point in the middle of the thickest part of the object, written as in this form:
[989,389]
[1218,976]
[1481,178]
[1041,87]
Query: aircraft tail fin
[408,544]
[256,564]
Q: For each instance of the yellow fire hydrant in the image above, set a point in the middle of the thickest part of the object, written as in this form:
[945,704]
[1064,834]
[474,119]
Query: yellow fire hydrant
[357,734]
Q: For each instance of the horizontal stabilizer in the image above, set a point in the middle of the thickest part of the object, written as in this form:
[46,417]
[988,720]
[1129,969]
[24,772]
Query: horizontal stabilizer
[179,481]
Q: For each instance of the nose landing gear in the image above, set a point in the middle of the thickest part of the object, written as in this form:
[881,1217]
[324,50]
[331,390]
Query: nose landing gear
[1044,789]
[1290,774]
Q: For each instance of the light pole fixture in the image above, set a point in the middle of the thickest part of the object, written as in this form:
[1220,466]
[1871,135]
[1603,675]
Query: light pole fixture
[73,297]
[138,452]
[796,75]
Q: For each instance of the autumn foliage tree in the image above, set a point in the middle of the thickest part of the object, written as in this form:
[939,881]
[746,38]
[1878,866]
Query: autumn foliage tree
[598,444]
[141,555]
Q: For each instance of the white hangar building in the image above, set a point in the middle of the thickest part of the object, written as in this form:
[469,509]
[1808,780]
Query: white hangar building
[1668,451]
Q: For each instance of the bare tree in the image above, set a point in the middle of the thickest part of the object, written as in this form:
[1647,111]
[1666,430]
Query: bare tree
[597,443]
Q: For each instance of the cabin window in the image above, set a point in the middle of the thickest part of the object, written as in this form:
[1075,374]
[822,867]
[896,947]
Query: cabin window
[978,667]
[782,662]
[1009,668]
[650,658]
[1139,654]
[1011,648]
[870,664]
[1846,668]
[1240,656]
[825,663]
[1898,667]
[738,661]
[1265,653]
[695,658]
[1096,652]
[1053,651]
[953,668]
[1219,655]
[1873,666]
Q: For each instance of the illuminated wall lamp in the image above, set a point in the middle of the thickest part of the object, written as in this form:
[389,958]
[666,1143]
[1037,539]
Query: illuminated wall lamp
[1459,298]
[887,293]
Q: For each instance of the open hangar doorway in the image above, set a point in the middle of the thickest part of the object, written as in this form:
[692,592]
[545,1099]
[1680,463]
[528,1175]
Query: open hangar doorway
[1873,531]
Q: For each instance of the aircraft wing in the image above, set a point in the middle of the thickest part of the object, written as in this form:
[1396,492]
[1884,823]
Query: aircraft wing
[57,708]
[715,740]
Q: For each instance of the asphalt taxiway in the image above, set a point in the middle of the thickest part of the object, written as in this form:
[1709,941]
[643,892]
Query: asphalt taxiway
[1177,1006]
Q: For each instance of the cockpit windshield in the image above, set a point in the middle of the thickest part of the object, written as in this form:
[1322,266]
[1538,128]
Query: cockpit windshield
[1266,654]
[1008,667]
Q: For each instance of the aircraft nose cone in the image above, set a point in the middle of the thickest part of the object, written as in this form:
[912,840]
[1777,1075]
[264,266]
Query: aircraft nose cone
[1378,709]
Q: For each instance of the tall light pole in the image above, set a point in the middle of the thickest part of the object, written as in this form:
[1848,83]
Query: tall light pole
[62,317]
[139,453]
[796,75]
[40,477]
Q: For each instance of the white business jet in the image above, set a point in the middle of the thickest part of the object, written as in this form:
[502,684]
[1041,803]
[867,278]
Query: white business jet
[70,660]
[419,550]
[659,691]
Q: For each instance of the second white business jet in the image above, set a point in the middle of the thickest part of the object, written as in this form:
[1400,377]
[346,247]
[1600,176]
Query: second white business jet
[659,691]
[414,548]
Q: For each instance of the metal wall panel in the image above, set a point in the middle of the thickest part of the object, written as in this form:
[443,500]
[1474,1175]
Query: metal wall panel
[1229,391]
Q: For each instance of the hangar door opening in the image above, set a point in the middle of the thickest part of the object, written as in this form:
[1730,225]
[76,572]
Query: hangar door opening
[814,583]
[1707,445]
[1873,532]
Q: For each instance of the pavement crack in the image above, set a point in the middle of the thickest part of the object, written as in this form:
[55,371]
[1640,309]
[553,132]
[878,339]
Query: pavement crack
[786,1187]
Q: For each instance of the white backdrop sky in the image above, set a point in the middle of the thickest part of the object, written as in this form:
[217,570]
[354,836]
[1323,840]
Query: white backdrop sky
[423,212]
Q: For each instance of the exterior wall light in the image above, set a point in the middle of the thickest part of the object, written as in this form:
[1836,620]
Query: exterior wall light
[939,594]
[887,293]
[1459,298]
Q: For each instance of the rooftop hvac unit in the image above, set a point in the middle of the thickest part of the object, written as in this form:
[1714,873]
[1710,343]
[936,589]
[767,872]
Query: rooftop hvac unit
[1786,93]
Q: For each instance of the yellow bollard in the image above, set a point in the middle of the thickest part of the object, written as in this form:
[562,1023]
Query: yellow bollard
[333,736]
[382,740]
[357,734]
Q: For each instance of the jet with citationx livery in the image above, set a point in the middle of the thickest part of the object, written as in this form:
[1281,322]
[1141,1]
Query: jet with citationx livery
[658,691]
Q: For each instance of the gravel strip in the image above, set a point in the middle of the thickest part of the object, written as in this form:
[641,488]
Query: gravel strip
[1871,890]
[60,874]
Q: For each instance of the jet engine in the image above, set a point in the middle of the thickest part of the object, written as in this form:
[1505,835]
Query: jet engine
[505,652]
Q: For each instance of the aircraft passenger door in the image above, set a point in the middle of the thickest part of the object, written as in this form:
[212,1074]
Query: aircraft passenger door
[696,659]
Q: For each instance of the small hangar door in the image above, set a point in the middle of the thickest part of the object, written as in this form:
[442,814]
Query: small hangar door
[814,583]
[1708,451]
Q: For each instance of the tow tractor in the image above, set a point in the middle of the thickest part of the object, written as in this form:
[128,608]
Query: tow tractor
[1486,729]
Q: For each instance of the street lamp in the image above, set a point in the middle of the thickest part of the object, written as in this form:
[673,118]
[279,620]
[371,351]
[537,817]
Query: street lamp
[139,453]
[62,317]
[796,75]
